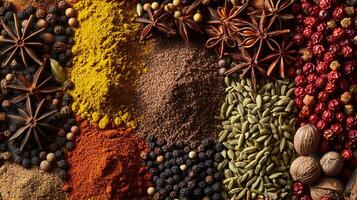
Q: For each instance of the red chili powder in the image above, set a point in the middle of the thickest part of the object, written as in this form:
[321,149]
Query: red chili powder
[106,164]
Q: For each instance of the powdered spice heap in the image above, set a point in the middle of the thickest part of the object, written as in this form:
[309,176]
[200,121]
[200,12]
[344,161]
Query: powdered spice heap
[106,164]
[103,65]
[180,95]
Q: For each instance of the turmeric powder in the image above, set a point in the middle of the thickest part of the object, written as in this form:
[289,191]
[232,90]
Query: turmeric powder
[107,60]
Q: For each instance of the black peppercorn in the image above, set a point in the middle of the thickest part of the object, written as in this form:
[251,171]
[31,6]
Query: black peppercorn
[2,11]
[9,16]
[202,184]
[165,148]
[179,144]
[208,163]
[7,6]
[153,171]
[197,192]
[40,14]
[154,178]
[161,141]
[26,154]
[151,139]
[62,164]
[26,163]
[161,167]
[216,196]
[62,174]
[218,157]
[172,161]
[184,192]
[21,15]
[17,159]
[181,184]
[51,18]
[175,154]
[176,178]
[210,171]
[70,145]
[52,9]
[208,190]
[170,181]
[217,176]
[160,182]
[191,185]
[203,174]
[62,5]
[3,147]
[180,161]
[176,187]
[30,10]
[152,155]
[202,155]
[35,160]
[216,187]
[218,147]
[42,155]
[173,194]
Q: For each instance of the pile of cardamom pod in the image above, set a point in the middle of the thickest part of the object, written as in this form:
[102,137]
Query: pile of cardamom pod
[257,133]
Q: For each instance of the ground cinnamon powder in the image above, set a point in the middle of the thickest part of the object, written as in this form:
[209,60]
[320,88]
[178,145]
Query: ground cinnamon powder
[106,164]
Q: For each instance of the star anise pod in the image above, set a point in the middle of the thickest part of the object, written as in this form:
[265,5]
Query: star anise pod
[21,41]
[246,64]
[255,34]
[228,18]
[155,21]
[275,8]
[32,124]
[280,57]
[35,87]
[185,22]
[219,39]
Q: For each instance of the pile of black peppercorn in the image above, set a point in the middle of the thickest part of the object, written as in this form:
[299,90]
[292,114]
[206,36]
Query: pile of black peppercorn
[184,171]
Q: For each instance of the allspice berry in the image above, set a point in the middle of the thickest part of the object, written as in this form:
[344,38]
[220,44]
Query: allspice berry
[151,190]
[45,165]
[327,187]
[70,136]
[305,169]
[306,140]
[72,22]
[40,14]
[70,12]
[51,157]
[47,38]
[331,163]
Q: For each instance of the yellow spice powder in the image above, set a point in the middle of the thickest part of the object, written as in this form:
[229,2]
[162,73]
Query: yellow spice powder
[107,60]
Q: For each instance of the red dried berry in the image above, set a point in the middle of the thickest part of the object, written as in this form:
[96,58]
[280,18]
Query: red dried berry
[323,14]
[307,32]
[351,33]
[347,51]
[305,111]
[352,138]
[329,57]
[347,154]
[316,37]
[322,67]
[340,117]
[311,78]
[325,4]
[320,82]
[337,128]
[330,39]
[330,88]
[299,102]
[300,80]
[310,89]
[306,197]
[319,108]
[321,125]
[313,119]
[299,39]
[338,33]
[296,8]
[299,29]
[314,11]
[349,68]
[327,115]
[334,105]
[338,13]
[318,50]
[298,189]
[333,76]
[308,68]
[323,96]
[343,84]
[334,48]
[310,22]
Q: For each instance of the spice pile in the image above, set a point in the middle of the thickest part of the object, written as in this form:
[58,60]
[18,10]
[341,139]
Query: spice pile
[179,96]
[257,135]
[106,164]
[184,171]
[106,62]
[37,126]
[20,183]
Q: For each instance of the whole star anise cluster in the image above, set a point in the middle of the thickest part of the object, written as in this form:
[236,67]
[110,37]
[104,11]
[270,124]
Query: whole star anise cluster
[326,84]
[35,115]
[259,33]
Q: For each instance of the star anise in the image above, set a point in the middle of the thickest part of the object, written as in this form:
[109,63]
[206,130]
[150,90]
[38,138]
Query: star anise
[258,33]
[21,41]
[33,123]
[275,10]
[280,57]
[228,18]
[35,87]
[219,39]
[155,21]
[246,64]
[185,22]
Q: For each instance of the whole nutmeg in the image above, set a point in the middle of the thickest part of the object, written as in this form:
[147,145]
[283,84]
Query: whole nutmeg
[331,163]
[305,169]
[306,140]
[327,187]
[351,187]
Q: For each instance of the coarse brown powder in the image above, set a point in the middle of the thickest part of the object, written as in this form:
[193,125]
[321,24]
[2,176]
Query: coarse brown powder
[17,182]
[180,95]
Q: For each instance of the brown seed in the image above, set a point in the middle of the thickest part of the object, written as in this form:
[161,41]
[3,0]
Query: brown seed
[51,157]
[47,38]
[40,14]
[55,101]
[70,12]
[61,133]
[70,136]
[45,165]
[72,22]
[6,104]
[9,77]
[41,23]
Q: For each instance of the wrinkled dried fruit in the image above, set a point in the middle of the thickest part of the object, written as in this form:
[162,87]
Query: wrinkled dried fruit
[327,187]
[305,169]
[331,163]
[306,140]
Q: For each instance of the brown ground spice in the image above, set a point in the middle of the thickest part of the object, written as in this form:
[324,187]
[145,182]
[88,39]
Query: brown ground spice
[17,183]
[44,4]
[106,164]
[180,95]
